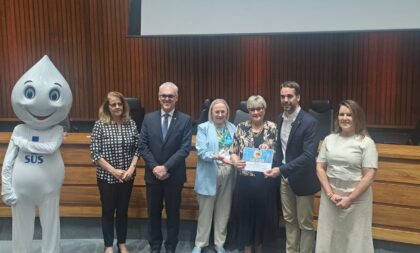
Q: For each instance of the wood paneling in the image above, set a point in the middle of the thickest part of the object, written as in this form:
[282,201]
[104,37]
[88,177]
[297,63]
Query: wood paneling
[81,176]
[396,190]
[385,193]
[79,193]
[399,172]
[87,40]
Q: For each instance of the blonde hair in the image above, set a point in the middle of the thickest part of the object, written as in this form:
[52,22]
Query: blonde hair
[218,101]
[105,114]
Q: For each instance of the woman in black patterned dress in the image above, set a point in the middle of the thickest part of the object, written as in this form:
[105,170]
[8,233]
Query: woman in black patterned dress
[253,221]
[115,153]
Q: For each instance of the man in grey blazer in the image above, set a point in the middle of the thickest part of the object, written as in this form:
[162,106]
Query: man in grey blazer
[295,162]
[165,142]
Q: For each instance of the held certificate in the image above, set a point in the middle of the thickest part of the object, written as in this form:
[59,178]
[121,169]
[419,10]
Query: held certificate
[256,159]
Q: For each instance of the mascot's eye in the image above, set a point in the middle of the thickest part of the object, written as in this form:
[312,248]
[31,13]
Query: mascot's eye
[54,95]
[29,92]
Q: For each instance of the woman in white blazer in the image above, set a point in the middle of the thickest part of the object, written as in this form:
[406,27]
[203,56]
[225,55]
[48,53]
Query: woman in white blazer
[214,176]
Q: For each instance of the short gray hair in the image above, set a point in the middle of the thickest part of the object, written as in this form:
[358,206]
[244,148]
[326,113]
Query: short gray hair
[256,101]
[169,84]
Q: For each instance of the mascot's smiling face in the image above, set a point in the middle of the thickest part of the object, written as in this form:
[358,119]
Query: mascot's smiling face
[42,97]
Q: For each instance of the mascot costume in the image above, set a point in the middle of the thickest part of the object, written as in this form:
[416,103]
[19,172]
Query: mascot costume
[33,170]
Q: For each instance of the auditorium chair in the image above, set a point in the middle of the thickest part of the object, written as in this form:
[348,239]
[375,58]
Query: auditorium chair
[415,136]
[323,112]
[241,114]
[136,111]
[205,111]
[66,124]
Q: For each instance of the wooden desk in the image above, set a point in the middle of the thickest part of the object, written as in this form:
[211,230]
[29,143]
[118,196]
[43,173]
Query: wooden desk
[396,207]
[80,195]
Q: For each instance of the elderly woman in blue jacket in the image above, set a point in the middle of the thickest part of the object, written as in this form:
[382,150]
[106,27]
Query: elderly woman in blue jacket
[214,176]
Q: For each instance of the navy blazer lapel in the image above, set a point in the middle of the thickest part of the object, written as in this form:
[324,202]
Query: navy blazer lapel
[159,123]
[295,125]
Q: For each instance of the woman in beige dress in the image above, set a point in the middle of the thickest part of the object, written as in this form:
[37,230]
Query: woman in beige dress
[346,168]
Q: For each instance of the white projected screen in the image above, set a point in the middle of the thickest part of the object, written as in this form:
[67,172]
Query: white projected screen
[206,17]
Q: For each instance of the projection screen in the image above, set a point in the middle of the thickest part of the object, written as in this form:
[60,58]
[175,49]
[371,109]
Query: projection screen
[213,17]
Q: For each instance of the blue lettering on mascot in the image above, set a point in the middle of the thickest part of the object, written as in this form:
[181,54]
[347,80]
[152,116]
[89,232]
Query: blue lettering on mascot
[33,158]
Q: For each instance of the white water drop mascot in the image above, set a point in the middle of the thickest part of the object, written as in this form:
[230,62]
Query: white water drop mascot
[33,169]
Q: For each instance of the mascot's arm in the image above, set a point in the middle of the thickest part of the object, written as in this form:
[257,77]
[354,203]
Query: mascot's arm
[47,147]
[9,196]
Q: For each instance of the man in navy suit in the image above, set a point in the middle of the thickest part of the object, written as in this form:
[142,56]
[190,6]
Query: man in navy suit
[295,162]
[165,142]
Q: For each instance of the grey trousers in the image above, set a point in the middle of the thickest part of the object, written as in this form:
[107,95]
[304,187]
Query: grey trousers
[215,209]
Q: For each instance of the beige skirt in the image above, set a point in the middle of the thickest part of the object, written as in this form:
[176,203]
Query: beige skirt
[345,230]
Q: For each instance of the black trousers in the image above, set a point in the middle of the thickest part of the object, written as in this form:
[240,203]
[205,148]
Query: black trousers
[115,199]
[157,194]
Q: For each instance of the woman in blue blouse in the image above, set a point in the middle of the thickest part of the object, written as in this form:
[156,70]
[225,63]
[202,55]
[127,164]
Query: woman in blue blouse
[214,177]
[115,153]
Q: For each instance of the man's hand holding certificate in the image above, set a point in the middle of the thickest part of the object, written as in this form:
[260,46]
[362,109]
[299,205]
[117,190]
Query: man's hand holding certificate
[258,160]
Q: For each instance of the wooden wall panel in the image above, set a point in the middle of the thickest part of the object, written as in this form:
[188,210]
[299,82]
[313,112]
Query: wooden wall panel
[55,28]
[87,41]
[396,190]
